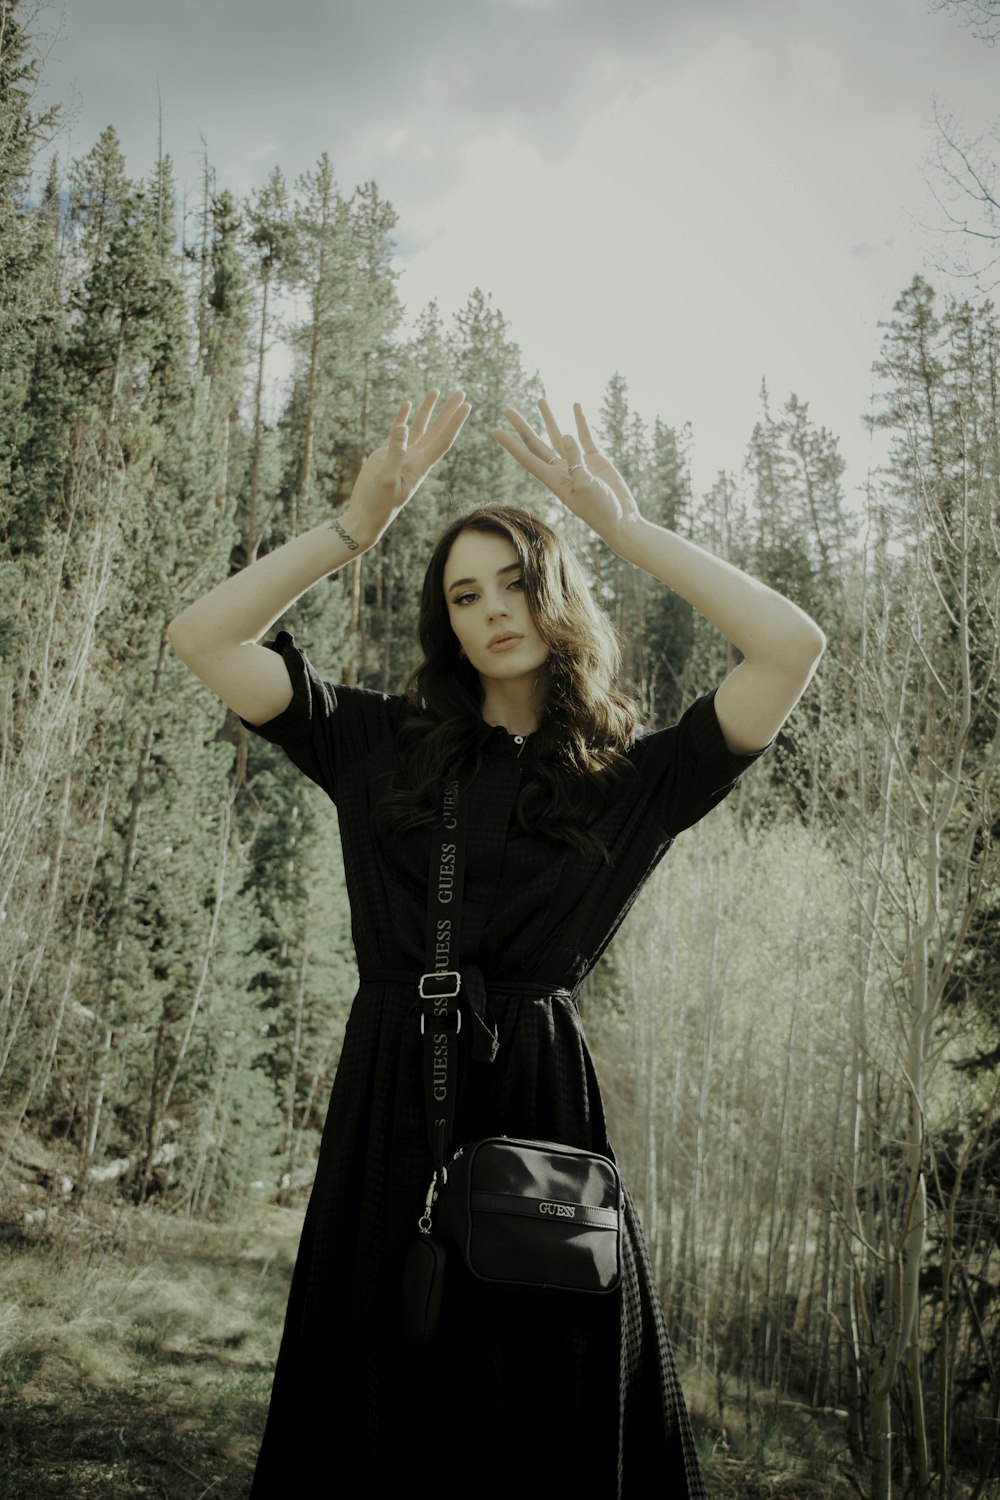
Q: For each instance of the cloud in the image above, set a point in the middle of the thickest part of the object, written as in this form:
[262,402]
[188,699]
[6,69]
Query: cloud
[656,186]
[864,251]
[399,93]
[309,75]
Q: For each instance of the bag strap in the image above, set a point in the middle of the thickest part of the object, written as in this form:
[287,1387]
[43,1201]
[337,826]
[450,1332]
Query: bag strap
[446,979]
[441,983]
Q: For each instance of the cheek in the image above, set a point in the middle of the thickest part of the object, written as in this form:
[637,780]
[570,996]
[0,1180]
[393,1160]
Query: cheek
[457,624]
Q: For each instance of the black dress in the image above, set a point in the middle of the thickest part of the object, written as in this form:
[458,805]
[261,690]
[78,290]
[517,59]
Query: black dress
[521,1390]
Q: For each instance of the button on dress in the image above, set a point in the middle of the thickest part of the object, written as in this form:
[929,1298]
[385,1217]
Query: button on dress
[522,1389]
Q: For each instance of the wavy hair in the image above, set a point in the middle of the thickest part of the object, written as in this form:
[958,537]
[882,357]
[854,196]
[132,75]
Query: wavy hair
[586,723]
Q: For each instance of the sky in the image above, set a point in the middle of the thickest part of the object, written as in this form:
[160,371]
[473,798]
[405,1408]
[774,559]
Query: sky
[699,194]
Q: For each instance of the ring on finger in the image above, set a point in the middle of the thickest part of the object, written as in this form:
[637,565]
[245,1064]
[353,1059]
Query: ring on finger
[573,468]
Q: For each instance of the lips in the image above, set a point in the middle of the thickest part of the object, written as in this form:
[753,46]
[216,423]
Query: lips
[503,641]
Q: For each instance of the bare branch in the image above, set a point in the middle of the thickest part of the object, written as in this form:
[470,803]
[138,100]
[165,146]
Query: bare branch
[982,17]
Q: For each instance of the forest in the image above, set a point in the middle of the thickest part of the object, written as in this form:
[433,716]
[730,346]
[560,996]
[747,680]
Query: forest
[798,1028]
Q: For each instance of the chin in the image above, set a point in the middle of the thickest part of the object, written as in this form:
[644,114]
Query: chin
[501,671]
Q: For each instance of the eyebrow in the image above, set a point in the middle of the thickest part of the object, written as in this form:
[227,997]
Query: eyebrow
[514,567]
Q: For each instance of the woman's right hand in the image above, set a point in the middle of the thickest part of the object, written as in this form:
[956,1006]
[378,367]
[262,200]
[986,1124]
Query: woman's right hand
[395,471]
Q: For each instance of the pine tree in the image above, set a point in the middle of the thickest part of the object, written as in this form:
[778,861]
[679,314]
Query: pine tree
[427,356]
[367,344]
[817,491]
[780,556]
[668,500]
[487,364]
[22,131]
[322,271]
[29,300]
[271,238]
[225,336]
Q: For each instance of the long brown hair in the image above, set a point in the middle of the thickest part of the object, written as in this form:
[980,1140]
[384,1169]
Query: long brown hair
[586,724]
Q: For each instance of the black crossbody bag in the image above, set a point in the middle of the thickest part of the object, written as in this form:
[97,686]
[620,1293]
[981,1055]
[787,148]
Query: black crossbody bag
[518,1212]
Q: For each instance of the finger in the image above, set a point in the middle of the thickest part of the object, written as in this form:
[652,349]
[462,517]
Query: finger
[589,446]
[443,418]
[542,468]
[571,453]
[551,427]
[442,434]
[398,433]
[450,407]
[423,416]
[529,436]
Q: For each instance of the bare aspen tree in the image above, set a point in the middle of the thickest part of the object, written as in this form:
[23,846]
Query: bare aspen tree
[42,758]
[738,992]
[928,752]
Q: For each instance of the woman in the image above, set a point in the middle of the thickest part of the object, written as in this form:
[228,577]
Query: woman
[568,810]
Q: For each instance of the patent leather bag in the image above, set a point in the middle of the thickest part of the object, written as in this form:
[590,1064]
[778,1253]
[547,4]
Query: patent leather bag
[516,1212]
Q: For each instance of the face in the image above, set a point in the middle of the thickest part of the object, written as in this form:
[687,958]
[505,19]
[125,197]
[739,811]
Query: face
[484,588]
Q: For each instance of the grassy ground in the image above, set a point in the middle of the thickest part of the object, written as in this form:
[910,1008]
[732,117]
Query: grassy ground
[136,1355]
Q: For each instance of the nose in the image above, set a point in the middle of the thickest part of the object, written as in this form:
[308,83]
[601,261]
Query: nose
[497,607]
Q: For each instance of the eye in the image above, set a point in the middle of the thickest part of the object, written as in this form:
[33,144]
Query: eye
[516,583]
[462,598]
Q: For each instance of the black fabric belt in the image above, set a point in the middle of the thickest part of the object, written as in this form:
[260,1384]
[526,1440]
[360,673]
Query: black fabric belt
[537,989]
[474,989]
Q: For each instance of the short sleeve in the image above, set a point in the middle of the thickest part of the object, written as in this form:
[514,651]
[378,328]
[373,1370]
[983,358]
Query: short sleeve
[688,769]
[325,728]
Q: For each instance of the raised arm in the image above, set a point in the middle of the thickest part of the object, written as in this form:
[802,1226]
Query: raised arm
[780,644]
[217,635]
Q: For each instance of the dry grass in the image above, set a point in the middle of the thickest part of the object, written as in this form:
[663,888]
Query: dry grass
[754,1450]
[136,1354]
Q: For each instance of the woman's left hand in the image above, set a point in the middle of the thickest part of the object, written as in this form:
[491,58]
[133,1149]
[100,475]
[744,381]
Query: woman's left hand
[577,473]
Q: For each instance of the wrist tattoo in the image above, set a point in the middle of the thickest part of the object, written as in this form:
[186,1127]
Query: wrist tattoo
[344,536]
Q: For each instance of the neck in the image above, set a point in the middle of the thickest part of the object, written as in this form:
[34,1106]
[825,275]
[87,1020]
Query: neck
[516,706]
